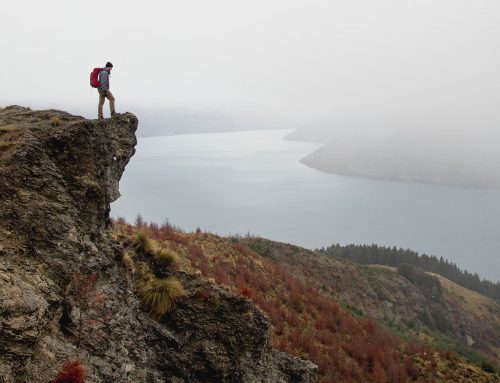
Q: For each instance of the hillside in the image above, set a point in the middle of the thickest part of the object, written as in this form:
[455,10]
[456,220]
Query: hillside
[65,297]
[403,153]
[306,317]
[453,317]
[392,256]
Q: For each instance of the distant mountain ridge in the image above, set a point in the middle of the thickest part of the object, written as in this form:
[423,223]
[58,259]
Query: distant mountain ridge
[441,156]
[374,254]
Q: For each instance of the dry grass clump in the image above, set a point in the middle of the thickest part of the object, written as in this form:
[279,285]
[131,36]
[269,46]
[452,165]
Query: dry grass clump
[55,121]
[165,258]
[7,129]
[128,262]
[159,295]
[149,265]
[143,243]
[6,144]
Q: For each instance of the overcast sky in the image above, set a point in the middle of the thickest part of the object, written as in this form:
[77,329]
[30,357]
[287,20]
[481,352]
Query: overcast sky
[289,58]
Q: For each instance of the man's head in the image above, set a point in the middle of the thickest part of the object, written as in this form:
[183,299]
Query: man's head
[109,66]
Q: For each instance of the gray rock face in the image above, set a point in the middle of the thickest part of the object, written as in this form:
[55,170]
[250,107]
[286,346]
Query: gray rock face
[56,183]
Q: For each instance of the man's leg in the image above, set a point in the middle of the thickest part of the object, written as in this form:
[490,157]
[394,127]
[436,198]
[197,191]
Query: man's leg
[111,99]
[99,107]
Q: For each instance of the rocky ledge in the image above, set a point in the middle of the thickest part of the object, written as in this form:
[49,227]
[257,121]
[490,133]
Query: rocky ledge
[58,175]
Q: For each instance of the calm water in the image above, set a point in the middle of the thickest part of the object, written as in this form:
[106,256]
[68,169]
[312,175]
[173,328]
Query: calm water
[252,182]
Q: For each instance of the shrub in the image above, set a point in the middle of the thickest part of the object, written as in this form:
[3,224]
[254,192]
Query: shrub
[195,251]
[143,243]
[144,273]
[92,313]
[486,366]
[56,121]
[245,292]
[159,295]
[72,372]
[165,258]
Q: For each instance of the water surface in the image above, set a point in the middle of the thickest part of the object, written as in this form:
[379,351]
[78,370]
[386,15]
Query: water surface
[253,182]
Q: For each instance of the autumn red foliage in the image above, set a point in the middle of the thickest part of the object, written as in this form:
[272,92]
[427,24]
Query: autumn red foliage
[246,292]
[305,322]
[72,372]
[90,302]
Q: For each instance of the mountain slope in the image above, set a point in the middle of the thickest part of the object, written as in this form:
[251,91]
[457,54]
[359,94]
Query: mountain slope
[64,293]
[306,319]
[453,313]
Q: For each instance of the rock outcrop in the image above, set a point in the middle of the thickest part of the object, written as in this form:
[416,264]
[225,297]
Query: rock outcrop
[58,175]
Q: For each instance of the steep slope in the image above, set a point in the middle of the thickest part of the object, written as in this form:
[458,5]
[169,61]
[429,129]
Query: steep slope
[63,291]
[306,319]
[450,313]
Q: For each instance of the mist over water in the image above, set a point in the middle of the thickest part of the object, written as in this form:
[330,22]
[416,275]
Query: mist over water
[253,182]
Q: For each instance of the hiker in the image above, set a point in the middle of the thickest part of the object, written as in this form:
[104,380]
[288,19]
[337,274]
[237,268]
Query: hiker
[104,91]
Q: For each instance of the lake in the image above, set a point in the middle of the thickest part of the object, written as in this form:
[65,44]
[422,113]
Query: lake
[252,181]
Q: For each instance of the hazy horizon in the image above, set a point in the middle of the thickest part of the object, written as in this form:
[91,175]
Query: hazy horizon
[370,63]
[396,71]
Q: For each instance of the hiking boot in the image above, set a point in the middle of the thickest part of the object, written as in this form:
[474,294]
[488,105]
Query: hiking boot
[113,113]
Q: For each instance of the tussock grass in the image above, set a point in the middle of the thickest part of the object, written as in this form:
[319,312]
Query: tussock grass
[165,258]
[143,243]
[6,144]
[7,129]
[159,295]
[128,262]
[55,121]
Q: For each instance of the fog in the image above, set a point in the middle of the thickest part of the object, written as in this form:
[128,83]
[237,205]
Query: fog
[385,76]
[290,60]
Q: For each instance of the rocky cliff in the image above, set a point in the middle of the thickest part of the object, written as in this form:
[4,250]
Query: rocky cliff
[58,175]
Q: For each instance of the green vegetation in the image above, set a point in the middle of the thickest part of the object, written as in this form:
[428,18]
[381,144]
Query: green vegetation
[487,367]
[353,309]
[428,284]
[374,254]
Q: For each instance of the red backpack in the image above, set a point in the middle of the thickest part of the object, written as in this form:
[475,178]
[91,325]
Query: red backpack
[94,78]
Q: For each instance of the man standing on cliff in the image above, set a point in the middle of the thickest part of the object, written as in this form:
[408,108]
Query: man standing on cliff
[104,91]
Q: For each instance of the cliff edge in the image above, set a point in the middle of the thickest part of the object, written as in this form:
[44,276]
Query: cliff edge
[58,175]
